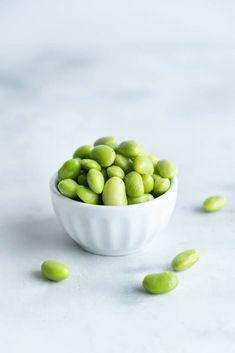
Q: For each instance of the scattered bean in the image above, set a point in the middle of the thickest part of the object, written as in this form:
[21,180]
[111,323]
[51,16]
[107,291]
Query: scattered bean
[185,260]
[55,271]
[214,203]
[160,283]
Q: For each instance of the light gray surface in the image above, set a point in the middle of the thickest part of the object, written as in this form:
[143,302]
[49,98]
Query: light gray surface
[177,100]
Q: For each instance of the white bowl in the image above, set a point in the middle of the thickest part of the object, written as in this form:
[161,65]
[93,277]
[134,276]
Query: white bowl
[113,230]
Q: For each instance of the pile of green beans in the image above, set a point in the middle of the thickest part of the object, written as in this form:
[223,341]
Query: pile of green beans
[114,174]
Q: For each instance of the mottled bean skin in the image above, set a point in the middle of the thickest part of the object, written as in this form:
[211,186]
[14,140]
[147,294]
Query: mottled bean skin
[140,199]
[214,203]
[104,155]
[161,185]
[68,188]
[185,260]
[160,283]
[95,180]
[70,169]
[114,170]
[106,140]
[83,152]
[87,195]
[114,193]
[166,169]
[143,165]
[55,271]
[134,184]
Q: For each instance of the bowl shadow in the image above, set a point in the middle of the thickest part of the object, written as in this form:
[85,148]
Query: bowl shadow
[34,236]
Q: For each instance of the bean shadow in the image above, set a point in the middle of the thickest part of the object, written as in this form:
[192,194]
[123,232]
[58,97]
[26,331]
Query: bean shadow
[133,294]
[37,276]
[198,209]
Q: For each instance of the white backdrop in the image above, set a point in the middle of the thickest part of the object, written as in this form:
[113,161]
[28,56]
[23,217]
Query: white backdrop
[158,72]
[28,27]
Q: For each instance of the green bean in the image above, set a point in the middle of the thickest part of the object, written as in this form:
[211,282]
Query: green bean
[68,188]
[123,162]
[143,165]
[134,184]
[160,283]
[55,271]
[214,203]
[148,183]
[90,163]
[83,152]
[161,185]
[107,140]
[114,170]
[95,180]
[166,169]
[82,179]
[104,155]
[114,193]
[87,195]
[70,169]
[129,149]
[185,260]
[140,199]
[154,160]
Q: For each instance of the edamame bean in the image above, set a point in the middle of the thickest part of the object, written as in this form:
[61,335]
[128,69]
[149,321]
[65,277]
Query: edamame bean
[105,175]
[68,188]
[95,180]
[55,271]
[82,179]
[155,176]
[123,162]
[129,148]
[161,185]
[87,195]
[107,140]
[154,160]
[134,184]
[104,155]
[166,169]
[70,169]
[140,199]
[185,260]
[83,152]
[160,283]
[148,183]
[214,203]
[90,163]
[114,170]
[88,172]
[143,165]
[114,193]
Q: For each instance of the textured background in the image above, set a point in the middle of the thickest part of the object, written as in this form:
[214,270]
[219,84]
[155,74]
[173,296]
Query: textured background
[158,72]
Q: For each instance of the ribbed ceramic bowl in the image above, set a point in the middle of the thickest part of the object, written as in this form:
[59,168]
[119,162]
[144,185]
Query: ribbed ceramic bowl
[113,230]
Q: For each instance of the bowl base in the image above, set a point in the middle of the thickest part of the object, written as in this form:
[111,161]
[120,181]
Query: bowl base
[118,253]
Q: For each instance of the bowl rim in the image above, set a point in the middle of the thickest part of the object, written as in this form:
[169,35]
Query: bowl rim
[53,188]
